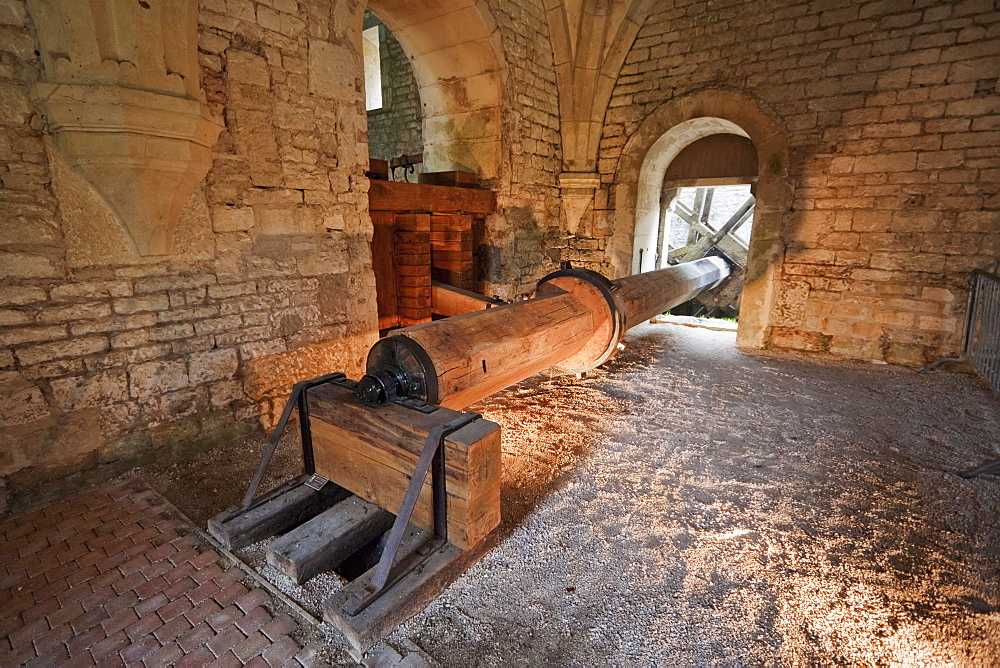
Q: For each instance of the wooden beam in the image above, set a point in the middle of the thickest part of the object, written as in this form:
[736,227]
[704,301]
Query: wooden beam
[275,513]
[448,300]
[408,596]
[322,543]
[401,196]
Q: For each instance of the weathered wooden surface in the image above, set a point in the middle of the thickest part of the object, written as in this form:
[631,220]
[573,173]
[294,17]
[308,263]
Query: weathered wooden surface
[291,507]
[322,543]
[378,169]
[653,292]
[452,259]
[479,353]
[400,196]
[454,178]
[602,337]
[373,451]
[408,596]
[412,257]
[448,300]
[384,266]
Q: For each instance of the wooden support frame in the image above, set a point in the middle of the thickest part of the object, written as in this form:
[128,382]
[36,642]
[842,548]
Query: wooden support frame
[432,573]
[423,232]
[279,511]
[325,526]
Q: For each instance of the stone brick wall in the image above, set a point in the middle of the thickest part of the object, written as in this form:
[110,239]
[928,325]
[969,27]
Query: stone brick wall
[108,358]
[395,129]
[521,240]
[892,118]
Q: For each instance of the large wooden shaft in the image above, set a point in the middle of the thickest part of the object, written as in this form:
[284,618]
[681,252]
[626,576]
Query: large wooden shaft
[477,354]
[574,323]
[653,292]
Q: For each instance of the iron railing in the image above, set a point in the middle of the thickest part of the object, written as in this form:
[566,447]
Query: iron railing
[981,340]
[982,326]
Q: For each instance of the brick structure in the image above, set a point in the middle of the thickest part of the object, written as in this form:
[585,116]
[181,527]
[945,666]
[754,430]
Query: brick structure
[111,577]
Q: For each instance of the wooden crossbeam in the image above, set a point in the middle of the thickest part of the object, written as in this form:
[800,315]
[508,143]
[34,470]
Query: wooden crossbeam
[325,541]
[274,514]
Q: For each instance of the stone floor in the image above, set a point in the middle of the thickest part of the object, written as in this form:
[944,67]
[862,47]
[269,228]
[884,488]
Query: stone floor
[687,504]
[114,577]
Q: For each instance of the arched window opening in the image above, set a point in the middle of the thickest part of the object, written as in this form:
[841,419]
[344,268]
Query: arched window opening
[706,208]
[392,98]
[695,199]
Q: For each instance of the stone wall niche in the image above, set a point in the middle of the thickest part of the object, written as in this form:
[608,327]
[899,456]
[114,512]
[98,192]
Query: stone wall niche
[122,99]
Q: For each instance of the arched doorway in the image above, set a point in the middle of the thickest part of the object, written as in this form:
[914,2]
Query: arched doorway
[639,184]
[457,60]
[445,70]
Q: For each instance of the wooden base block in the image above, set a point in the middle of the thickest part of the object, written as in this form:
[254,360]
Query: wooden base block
[322,543]
[407,596]
[372,451]
[277,512]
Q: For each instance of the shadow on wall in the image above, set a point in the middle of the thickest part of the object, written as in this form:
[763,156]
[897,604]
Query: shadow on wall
[515,255]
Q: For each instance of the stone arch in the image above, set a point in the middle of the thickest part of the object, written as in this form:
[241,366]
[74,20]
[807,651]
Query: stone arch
[459,66]
[660,137]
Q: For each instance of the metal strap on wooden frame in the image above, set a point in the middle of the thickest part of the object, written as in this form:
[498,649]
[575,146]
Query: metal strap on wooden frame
[432,453]
[297,399]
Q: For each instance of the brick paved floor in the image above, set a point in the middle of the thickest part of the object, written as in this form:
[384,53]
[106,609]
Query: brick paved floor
[114,577]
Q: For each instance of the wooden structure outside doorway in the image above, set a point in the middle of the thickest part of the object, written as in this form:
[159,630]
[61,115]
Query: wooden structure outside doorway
[423,233]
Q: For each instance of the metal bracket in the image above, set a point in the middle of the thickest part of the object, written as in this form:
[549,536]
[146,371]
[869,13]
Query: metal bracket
[298,399]
[432,453]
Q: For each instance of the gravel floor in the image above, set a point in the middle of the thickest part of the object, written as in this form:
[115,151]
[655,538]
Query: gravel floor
[691,504]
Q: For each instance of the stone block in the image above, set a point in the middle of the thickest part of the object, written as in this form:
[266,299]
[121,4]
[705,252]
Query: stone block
[92,290]
[75,312]
[225,393]
[333,71]
[227,323]
[153,284]
[784,337]
[871,221]
[228,290]
[153,303]
[114,324]
[232,219]
[212,366]
[247,68]
[154,378]
[172,332]
[21,402]
[87,392]
[18,295]
[938,294]
[28,265]
[59,349]
[285,220]
[12,317]
[890,162]
[906,354]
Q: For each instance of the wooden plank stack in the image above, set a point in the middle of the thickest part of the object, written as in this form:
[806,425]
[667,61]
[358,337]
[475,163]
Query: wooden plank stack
[452,260]
[423,232]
